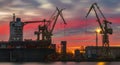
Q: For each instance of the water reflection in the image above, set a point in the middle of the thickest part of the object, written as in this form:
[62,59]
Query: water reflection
[108,63]
[3,63]
[101,63]
[63,63]
[31,64]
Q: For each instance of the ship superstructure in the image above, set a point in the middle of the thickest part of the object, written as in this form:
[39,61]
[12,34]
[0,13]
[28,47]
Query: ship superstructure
[16,29]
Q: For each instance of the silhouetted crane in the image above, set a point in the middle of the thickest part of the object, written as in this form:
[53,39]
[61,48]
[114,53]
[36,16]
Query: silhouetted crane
[104,28]
[47,29]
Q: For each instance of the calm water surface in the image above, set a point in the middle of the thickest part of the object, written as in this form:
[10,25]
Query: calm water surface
[64,63]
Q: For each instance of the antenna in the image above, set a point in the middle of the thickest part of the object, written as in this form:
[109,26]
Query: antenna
[14,17]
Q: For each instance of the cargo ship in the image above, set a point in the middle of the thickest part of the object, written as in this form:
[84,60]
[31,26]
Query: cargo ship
[25,51]
[18,50]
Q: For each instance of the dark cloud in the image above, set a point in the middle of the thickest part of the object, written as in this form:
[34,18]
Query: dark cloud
[58,3]
[4,3]
[25,4]
[33,3]
[110,3]
[76,1]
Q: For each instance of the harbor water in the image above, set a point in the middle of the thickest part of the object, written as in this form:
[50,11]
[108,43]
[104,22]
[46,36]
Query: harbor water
[61,63]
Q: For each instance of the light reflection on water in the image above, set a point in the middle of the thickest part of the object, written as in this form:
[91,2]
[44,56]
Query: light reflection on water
[102,63]
[63,63]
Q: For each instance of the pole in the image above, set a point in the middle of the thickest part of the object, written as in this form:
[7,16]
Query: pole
[96,42]
[96,39]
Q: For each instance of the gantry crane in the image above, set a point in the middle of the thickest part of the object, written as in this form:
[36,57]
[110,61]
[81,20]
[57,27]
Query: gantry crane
[42,29]
[16,28]
[105,30]
[47,29]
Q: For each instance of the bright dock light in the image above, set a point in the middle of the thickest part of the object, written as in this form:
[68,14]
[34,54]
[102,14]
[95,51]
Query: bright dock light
[98,30]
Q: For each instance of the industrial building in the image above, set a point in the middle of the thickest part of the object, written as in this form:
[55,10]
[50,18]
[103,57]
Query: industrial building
[93,51]
[77,54]
[63,47]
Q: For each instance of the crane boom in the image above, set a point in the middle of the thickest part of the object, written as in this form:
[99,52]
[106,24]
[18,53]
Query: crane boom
[100,11]
[26,22]
[98,19]
[55,21]
[58,14]
[61,16]
[89,10]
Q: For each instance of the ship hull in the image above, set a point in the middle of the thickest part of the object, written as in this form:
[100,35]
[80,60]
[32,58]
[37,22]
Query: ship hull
[25,54]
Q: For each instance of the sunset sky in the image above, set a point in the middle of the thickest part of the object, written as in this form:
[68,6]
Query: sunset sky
[79,31]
